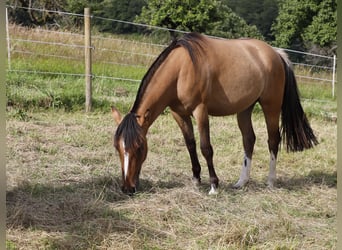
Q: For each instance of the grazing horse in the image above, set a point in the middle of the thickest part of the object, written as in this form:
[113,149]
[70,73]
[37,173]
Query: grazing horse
[200,76]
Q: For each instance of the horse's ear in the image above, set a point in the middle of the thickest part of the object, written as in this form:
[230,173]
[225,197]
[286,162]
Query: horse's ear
[116,115]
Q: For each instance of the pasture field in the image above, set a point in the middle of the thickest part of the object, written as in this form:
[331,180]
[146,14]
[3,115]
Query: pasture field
[63,188]
[64,177]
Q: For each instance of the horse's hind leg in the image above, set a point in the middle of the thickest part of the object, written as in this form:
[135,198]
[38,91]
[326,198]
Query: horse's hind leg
[248,139]
[272,121]
[185,124]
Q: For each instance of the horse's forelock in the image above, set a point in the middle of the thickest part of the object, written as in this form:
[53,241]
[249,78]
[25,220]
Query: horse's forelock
[130,131]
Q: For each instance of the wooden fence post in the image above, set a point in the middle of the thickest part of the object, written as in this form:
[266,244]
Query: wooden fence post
[8,42]
[87,56]
[333,76]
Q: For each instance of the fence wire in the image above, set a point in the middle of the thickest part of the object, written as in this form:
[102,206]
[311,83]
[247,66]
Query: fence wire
[45,43]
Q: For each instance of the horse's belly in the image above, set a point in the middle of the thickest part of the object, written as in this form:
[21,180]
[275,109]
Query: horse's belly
[232,100]
[223,109]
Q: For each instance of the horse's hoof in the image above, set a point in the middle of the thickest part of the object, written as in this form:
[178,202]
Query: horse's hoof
[213,190]
[270,185]
[240,184]
[196,181]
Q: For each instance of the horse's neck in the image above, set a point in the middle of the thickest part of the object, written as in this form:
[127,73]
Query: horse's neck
[154,101]
[160,91]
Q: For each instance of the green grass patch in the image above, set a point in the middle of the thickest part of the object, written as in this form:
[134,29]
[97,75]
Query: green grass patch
[124,57]
[33,92]
[10,245]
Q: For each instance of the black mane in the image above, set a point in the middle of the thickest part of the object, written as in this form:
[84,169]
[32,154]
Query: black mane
[191,41]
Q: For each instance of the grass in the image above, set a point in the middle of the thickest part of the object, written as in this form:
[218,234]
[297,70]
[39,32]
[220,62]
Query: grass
[63,189]
[111,59]
[63,175]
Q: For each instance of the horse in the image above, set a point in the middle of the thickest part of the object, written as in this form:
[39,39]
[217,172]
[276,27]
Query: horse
[199,76]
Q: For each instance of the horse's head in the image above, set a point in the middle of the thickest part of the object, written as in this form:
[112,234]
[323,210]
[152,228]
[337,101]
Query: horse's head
[131,144]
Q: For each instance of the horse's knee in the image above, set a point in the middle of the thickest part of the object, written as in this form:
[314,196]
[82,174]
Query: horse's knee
[190,143]
[207,151]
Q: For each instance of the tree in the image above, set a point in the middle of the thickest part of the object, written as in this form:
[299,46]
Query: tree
[204,16]
[302,24]
[322,30]
[28,17]
[119,10]
[109,9]
[260,13]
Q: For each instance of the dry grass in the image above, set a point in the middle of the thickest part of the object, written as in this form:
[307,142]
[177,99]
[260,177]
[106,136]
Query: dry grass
[63,189]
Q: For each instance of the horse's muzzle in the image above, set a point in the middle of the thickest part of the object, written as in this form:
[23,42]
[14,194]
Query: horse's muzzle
[128,190]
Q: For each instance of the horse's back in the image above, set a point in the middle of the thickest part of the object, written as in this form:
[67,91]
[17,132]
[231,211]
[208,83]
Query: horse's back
[241,72]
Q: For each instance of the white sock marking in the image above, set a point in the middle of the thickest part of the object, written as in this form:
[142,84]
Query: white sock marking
[213,190]
[245,172]
[272,173]
[126,160]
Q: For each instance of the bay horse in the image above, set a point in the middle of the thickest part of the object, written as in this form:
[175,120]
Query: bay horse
[200,76]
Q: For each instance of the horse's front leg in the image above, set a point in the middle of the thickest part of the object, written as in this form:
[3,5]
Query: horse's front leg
[201,116]
[185,124]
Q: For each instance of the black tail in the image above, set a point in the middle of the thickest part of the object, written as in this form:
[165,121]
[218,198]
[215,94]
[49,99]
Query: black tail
[296,131]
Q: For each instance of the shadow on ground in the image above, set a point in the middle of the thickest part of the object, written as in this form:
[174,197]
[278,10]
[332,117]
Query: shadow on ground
[81,210]
[314,178]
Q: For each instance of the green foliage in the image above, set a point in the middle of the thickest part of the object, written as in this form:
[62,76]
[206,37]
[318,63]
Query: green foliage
[260,13]
[323,28]
[297,24]
[109,9]
[30,17]
[120,10]
[233,26]
[204,16]
[301,22]
[77,6]
[294,17]
[177,14]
